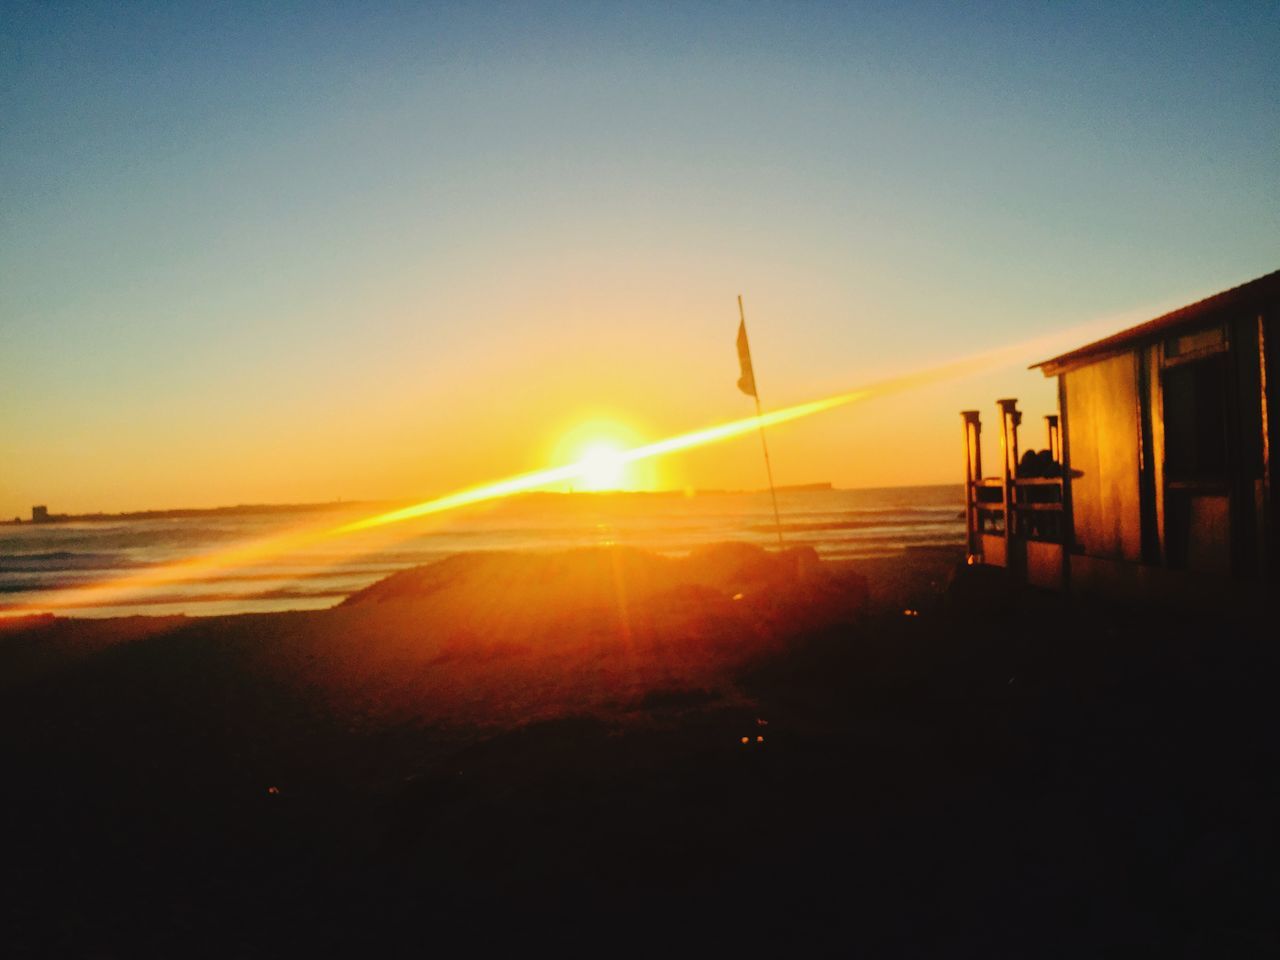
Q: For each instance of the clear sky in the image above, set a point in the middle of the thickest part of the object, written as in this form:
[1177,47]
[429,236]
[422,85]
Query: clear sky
[274,252]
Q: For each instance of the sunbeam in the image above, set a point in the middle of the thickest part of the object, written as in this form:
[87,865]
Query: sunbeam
[196,567]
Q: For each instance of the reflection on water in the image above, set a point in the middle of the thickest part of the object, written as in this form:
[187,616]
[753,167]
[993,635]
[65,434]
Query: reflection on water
[840,524]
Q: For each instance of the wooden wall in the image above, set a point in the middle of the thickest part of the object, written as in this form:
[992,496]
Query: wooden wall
[1103,439]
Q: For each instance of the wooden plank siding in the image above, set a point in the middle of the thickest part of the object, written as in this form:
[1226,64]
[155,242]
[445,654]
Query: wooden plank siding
[1102,412]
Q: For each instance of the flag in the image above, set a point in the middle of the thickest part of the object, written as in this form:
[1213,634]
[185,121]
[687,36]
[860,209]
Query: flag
[746,382]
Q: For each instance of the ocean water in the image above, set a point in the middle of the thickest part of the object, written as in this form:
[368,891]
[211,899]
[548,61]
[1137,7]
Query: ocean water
[39,563]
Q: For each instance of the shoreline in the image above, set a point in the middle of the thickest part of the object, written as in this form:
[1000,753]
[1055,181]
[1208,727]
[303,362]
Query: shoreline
[891,574]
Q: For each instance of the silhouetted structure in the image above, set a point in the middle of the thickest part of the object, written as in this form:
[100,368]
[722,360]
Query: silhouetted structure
[1159,481]
[40,514]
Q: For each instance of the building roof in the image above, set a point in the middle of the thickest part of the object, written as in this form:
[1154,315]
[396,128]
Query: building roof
[1246,296]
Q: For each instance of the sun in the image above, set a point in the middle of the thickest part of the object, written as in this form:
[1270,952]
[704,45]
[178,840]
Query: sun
[596,445]
[603,469]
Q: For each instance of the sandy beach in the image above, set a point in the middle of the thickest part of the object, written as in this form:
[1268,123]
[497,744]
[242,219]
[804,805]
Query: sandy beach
[610,751]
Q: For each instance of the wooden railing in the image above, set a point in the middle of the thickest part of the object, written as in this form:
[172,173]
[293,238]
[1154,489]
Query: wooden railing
[1004,514]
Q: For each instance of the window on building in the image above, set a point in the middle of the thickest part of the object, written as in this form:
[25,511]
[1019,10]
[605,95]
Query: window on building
[1195,421]
[1209,340]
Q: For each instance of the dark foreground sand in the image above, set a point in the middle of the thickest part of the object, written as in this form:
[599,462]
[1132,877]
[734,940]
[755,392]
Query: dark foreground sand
[507,751]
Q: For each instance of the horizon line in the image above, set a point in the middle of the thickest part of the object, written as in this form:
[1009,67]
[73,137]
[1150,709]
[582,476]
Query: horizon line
[815,486]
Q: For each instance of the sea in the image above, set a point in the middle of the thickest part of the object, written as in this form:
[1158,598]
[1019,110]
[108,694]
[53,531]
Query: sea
[41,565]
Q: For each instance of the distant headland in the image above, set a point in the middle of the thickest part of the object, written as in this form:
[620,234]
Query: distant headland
[40,513]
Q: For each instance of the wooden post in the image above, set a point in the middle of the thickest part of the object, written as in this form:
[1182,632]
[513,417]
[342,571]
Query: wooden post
[1055,439]
[1010,419]
[972,473]
[1265,533]
[1068,519]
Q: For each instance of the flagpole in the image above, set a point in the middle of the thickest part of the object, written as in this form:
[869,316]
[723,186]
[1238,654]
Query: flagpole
[768,467]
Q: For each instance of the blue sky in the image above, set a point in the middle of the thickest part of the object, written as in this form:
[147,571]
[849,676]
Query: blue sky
[287,252]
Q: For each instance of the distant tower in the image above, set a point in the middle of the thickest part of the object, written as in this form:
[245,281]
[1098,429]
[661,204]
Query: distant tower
[40,514]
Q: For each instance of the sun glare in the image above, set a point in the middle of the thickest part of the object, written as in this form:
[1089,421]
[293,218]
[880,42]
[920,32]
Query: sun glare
[596,445]
[595,455]
[603,467]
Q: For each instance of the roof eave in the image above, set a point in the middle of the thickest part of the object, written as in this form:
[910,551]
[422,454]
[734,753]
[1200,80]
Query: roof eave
[1243,295]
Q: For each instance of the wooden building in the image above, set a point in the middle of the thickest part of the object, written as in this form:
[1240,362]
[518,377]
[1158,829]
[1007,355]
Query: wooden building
[1158,475]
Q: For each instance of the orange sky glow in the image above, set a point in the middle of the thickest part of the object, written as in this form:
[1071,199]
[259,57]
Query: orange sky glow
[333,257]
[603,459]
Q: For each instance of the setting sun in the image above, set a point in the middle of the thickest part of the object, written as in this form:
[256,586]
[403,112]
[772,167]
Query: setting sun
[598,446]
[604,468]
